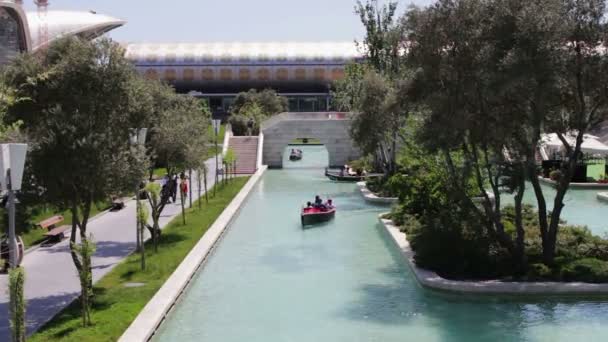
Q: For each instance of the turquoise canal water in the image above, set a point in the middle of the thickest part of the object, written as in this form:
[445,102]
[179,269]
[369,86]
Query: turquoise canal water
[269,280]
[581,208]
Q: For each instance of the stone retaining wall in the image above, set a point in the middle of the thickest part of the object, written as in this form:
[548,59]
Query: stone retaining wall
[576,185]
[152,315]
[373,198]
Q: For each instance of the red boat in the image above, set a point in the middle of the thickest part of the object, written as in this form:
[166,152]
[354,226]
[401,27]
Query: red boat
[316,215]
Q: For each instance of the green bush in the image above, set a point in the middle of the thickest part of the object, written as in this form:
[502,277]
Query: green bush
[589,270]
[452,245]
[539,272]
[555,175]
[239,125]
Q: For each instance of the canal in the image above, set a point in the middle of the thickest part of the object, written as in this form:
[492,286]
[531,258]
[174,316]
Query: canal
[270,280]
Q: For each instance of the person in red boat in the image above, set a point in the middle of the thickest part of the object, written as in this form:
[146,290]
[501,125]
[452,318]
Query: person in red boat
[329,204]
[318,202]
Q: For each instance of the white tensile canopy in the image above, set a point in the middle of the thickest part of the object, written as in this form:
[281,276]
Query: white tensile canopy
[591,144]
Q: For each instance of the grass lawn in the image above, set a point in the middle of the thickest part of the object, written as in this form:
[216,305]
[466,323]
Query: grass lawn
[159,172]
[116,306]
[35,235]
[220,136]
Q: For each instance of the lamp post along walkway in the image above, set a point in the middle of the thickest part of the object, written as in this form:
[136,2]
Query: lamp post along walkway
[12,162]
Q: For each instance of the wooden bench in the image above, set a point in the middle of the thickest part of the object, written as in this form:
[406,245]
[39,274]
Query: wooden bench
[117,204]
[54,233]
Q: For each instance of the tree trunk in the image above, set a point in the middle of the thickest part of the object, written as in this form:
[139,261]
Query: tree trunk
[155,234]
[142,224]
[558,205]
[199,179]
[138,241]
[190,187]
[519,226]
[181,195]
[541,203]
[77,264]
[205,183]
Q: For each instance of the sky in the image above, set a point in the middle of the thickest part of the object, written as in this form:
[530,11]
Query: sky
[227,20]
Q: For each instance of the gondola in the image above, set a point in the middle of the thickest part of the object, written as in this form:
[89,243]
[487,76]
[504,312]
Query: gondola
[295,155]
[336,176]
[310,216]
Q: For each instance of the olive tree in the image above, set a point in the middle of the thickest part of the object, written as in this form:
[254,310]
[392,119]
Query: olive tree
[177,141]
[77,111]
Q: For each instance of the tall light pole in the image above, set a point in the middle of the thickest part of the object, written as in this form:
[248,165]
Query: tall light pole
[12,162]
[138,139]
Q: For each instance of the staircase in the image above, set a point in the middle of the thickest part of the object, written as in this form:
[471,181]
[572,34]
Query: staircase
[246,152]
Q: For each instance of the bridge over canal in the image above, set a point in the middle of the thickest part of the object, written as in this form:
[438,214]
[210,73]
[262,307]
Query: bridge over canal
[331,128]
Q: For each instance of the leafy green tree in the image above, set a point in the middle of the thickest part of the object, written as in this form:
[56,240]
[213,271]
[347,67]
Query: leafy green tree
[268,100]
[77,109]
[240,120]
[494,77]
[462,120]
[383,43]
[180,124]
[257,106]
[347,91]
[376,91]
[581,70]
[178,139]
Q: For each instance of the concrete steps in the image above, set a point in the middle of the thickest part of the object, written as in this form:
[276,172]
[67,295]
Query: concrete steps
[246,152]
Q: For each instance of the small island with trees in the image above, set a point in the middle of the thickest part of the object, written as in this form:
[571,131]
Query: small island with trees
[452,105]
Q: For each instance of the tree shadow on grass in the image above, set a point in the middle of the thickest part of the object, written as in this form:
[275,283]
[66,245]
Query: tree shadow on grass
[128,275]
[167,239]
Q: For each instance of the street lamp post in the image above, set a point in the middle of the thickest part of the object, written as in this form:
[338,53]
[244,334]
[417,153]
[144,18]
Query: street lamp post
[12,162]
[138,138]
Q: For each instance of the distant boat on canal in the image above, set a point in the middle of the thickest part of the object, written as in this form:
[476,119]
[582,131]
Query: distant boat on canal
[341,176]
[295,155]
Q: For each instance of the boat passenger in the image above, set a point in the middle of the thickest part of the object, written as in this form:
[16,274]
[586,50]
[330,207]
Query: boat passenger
[329,204]
[318,202]
[308,205]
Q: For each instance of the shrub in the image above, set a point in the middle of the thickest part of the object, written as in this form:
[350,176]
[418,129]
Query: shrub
[588,270]
[451,243]
[539,272]
[555,175]
[381,187]
[239,125]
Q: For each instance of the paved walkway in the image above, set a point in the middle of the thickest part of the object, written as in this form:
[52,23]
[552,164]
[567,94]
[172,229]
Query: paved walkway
[51,278]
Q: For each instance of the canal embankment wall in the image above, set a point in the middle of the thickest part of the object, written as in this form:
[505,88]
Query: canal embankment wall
[432,280]
[152,315]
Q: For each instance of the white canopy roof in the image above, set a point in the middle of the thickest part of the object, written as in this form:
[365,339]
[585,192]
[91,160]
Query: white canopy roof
[64,23]
[591,143]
